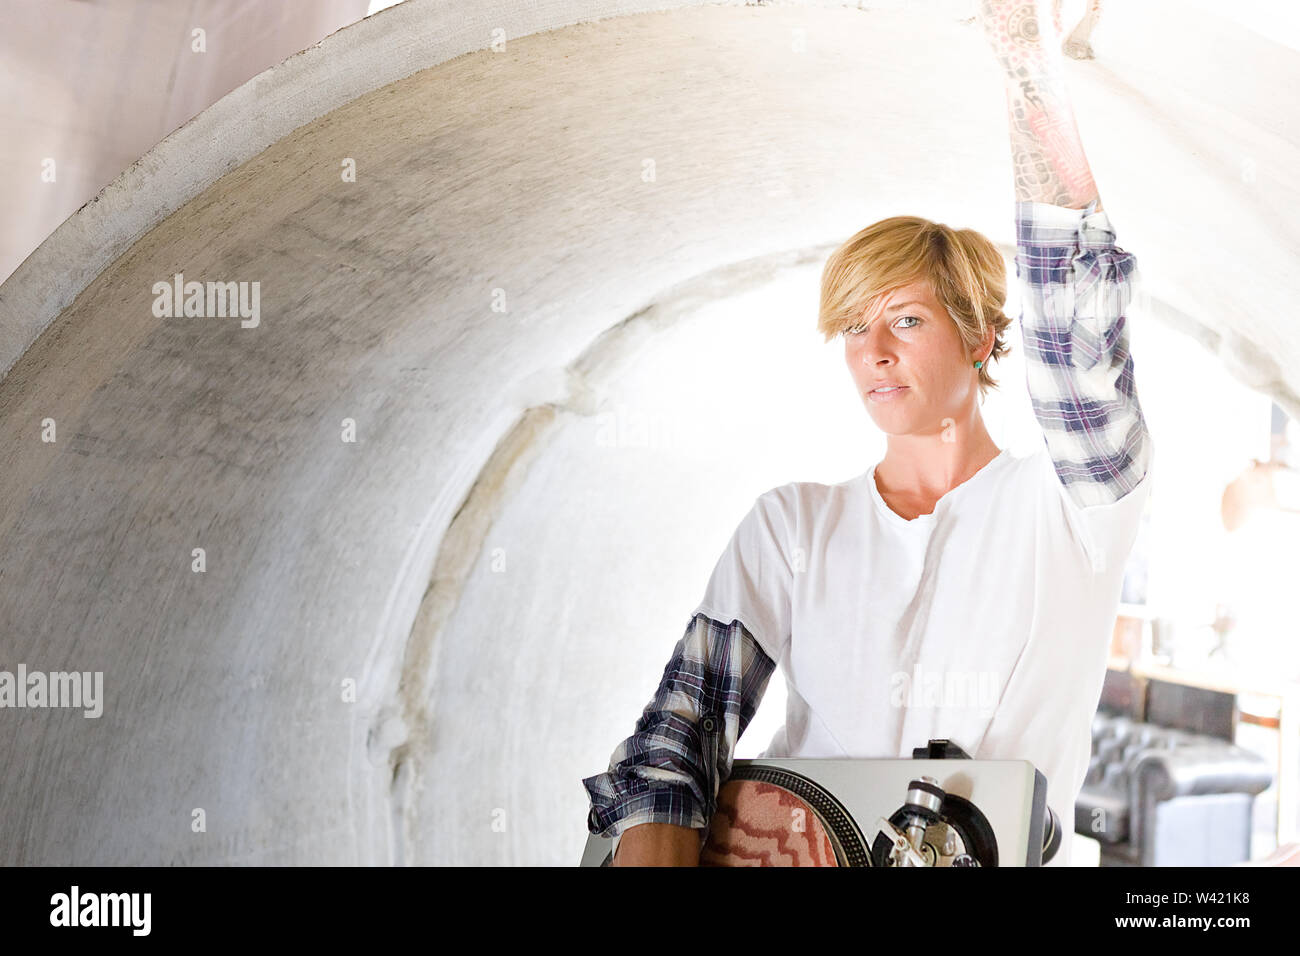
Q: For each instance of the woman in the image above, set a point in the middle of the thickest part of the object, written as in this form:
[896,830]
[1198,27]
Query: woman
[953,591]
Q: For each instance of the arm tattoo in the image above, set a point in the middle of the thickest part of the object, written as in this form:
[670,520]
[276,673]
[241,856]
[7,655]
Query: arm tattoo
[1046,150]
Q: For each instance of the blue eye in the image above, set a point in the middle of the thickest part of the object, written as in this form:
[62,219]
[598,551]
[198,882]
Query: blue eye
[862,328]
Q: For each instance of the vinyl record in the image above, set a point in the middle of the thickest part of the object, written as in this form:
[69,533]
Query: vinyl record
[769,816]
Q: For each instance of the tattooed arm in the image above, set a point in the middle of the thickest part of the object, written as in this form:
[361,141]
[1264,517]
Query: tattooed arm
[1050,166]
[1076,283]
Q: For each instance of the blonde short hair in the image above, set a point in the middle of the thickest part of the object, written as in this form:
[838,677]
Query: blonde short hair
[966,273]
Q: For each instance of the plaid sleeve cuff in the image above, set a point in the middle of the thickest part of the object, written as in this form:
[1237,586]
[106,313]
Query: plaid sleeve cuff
[1043,224]
[662,803]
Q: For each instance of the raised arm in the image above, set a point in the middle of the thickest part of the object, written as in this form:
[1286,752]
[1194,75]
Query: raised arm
[1050,166]
[1075,282]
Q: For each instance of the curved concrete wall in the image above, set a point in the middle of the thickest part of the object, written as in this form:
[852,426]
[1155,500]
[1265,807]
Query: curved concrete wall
[406,647]
[88,87]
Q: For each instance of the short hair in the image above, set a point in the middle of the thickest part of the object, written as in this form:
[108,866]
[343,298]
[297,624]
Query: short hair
[966,273]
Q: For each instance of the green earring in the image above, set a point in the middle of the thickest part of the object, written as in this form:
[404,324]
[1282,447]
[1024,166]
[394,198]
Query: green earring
[979,364]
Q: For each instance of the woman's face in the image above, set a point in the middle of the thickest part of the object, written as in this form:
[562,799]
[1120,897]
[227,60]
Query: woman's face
[911,341]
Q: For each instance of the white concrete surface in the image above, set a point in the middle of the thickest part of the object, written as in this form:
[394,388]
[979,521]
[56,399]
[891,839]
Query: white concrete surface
[477,560]
[87,88]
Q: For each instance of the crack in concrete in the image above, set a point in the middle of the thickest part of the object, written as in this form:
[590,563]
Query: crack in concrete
[411,739]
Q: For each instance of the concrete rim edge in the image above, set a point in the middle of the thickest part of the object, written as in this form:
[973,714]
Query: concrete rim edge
[413,36]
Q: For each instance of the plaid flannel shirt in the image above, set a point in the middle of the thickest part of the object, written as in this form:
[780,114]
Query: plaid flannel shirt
[670,769]
[1075,285]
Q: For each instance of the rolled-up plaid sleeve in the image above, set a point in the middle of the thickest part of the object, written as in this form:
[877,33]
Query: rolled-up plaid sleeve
[1075,285]
[669,770]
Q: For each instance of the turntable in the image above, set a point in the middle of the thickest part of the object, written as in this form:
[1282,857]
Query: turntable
[941,808]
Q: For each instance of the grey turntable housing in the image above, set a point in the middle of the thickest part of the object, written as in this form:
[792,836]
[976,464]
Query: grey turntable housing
[997,807]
